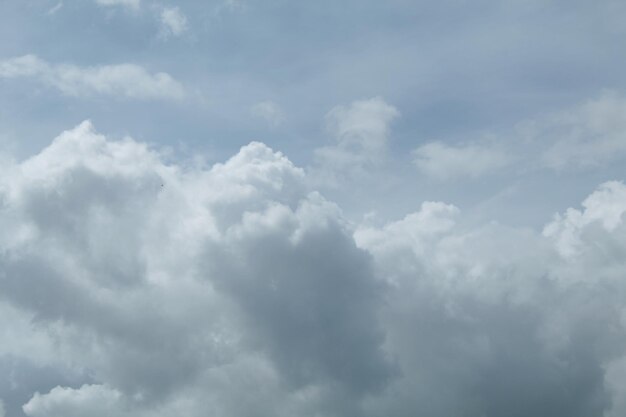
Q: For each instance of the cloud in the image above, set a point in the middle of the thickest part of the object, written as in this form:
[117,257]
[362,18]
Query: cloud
[157,290]
[587,136]
[497,321]
[361,132]
[270,112]
[93,400]
[173,22]
[132,286]
[604,208]
[120,81]
[444,162]
[132,4]
[56,8]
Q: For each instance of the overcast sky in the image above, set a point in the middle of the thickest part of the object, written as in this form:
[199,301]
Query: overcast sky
[356,208]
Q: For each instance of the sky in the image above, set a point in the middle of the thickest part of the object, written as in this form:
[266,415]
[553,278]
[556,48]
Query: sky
[247,208]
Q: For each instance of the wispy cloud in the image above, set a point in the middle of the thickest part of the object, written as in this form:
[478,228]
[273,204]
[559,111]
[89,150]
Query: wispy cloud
[268,111]
[361,132]
[120,81]
[133,4]
[444,162]
[173,22]
[55,8]
[586,136]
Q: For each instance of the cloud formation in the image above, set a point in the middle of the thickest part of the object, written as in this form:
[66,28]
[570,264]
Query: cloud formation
[161,281]
[132,286]
[128,81]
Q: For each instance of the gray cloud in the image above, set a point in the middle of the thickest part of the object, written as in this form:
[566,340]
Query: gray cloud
[195,276]
[136,287]
[146,315]
[494,321]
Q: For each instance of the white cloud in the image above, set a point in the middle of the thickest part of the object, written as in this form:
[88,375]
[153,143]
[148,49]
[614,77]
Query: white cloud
[270,112]
[150,289]
[92,400]
[133,4]
[442,161]
[361,131]
[24,66]
[173,22]
[605,207]
[121,81]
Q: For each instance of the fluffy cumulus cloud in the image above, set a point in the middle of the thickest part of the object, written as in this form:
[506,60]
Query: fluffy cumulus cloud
[119,81]
[130,286]
[498,321]
[604,208]
[93,400]
[158,285]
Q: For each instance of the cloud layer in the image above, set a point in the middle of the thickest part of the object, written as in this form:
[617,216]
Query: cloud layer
[132,286]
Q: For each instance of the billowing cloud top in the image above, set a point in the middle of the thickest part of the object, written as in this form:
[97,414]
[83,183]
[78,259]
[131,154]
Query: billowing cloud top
[135,287]
[361,208]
